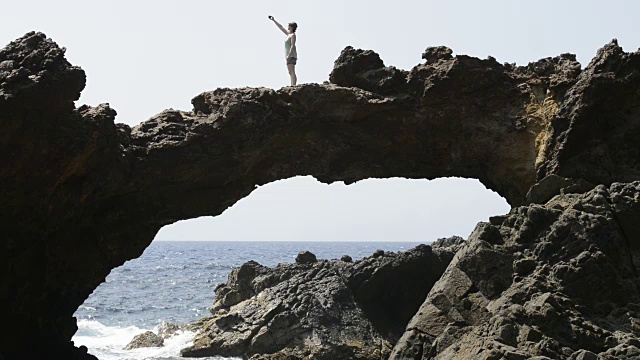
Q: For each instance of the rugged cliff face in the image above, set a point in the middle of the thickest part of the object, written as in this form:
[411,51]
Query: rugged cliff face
[556,281]
[81,194]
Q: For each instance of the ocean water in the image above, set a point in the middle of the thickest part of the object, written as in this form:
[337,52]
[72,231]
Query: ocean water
[174,281]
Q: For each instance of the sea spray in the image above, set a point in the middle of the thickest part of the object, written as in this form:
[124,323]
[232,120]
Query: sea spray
[108,342]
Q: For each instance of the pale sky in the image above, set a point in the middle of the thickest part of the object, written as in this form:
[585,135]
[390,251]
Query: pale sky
[145,56]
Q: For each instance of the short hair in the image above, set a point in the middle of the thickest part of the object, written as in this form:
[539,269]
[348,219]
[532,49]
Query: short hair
[294,26]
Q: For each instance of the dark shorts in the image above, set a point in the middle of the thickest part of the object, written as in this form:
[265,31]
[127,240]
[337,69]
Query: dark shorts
[292,60]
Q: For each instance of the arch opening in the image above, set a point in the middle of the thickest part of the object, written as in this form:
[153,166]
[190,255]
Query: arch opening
[174,279]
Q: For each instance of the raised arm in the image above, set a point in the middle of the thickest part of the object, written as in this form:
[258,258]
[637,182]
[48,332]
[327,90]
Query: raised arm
[279,26]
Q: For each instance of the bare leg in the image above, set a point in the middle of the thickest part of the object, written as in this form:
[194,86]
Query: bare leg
[292,74]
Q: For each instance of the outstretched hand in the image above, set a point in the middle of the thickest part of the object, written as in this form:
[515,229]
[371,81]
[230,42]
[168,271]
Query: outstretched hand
[270,17]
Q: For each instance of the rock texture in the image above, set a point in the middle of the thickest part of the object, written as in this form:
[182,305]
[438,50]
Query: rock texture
[146,339]
[557,281]
[594,135]
[82,195]
[168,330]
[306,257]
[151,339]
[320,309]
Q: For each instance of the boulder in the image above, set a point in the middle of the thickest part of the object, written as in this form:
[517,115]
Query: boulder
[435,53]
[364,69]
[146,339]
[305,257]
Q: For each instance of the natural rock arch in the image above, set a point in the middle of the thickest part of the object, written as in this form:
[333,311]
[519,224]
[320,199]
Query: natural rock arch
[82,195]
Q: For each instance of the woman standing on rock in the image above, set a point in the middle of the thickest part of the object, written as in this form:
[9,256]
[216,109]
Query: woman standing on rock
[290,50]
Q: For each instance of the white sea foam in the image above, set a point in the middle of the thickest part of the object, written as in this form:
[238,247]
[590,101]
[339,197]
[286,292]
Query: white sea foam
[108,342]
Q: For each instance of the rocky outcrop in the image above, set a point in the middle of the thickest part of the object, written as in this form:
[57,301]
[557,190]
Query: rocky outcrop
[168,330]
[165,331]
[556,281]
[306,257]
[146,339]
[320,309]
[593,136]
[435,53]
[82,195]
[453,243]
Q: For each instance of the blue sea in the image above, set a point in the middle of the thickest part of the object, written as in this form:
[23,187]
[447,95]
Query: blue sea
[174,281]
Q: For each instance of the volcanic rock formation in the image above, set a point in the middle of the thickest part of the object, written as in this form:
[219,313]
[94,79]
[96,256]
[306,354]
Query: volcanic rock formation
[82,195]
[554,281]
[320,310]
